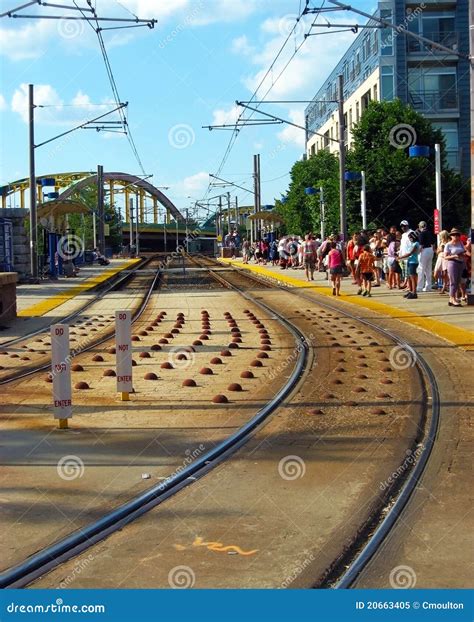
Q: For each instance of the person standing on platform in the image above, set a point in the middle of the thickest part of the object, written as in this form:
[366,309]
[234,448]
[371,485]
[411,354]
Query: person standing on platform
[425,266]
[454,252]
[335,265]
[411,257]
[309,255]
[366,268]
[405,246]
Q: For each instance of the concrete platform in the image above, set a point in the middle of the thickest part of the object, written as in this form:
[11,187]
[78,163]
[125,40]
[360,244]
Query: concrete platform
[429,312]
[40,305]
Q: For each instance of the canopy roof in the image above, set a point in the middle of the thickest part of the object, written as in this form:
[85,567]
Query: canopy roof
[266,216]
[61,207]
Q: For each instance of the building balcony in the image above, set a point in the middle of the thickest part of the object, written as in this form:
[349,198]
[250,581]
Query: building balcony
[434,101]
[448,39]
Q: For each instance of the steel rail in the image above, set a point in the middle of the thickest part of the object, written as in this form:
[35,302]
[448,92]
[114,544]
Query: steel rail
[361,558]
[95,343]
[48,558]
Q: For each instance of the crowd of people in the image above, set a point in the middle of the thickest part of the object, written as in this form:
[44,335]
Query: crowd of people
[401,258]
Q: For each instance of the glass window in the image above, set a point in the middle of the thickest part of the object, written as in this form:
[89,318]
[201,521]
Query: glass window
[386,83]
[386,34]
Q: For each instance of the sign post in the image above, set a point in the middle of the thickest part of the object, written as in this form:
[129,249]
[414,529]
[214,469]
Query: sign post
[436,221]
[61,373]
[123,353]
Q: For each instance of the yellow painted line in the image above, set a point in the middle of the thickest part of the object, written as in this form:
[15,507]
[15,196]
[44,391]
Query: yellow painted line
[60,298]
[458,336]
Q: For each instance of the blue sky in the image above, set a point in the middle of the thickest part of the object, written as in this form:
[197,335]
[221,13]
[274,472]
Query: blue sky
[185,73]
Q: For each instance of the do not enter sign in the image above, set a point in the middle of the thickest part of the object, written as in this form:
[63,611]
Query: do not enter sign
[123,350]
[61,371]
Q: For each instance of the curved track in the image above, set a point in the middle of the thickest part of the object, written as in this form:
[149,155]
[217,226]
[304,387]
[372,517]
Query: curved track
[345,569]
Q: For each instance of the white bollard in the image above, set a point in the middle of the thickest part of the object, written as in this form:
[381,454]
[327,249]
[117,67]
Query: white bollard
[61,374]
[123,353]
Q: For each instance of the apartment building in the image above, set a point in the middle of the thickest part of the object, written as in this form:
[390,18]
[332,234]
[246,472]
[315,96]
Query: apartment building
[383,64]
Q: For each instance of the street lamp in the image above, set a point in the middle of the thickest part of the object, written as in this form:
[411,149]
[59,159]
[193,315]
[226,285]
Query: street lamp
[356,176]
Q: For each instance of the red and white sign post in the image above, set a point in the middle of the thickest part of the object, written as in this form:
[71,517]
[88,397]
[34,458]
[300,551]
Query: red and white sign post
[436,221]
[123,353]
[61,373]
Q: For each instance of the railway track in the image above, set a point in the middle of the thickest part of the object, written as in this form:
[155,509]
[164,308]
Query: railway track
[345,569]
[45,560]
[22,348]
[352,562]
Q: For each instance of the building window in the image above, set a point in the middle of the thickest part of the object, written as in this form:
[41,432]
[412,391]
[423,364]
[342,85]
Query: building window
[376,96]
[386,35]
[326,139]
[433,89]
[357,112]
[313,149]
[350,117]
[451,136]
[386,83]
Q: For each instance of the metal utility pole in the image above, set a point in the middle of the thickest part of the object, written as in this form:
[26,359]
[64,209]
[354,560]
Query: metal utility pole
[439,203]
[221,228]
[33,226]
[187,234]
[342,158]
[363,201]
[256,189]
[471,61]
[100,207]
[131,222]
[237,215]
[323,213]
[228,212]
[137,235]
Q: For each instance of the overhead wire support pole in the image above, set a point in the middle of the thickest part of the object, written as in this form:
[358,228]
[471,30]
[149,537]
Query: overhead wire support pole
[342,159]
[33,224]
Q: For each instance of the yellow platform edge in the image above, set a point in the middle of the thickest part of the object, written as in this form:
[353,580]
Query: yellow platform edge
[458,336]
[60,298]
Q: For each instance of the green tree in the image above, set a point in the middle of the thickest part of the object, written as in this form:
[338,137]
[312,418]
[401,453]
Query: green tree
[399,187]
[301,212]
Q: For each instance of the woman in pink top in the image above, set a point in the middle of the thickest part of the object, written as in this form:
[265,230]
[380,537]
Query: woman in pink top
[335,265]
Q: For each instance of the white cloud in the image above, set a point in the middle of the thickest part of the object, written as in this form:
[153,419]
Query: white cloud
[241,46]
[226,117]
[291,134]
[44,94]
[3,103]
[195,183]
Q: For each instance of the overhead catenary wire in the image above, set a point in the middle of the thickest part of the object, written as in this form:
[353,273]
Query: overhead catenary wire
[236,130]
[108,67]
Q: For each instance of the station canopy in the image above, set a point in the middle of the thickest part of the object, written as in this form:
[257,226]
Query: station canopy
[61,207]
[267,217]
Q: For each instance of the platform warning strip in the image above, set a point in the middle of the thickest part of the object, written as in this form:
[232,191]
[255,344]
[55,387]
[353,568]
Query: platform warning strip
[458,336]
[61,297]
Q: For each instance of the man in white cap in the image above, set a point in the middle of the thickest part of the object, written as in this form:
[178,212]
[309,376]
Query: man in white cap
[405,246]
[427,241]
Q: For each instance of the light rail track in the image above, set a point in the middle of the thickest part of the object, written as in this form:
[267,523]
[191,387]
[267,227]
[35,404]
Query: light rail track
[352,562]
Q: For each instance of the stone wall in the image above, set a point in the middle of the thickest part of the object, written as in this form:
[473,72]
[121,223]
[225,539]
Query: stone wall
[7,296]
